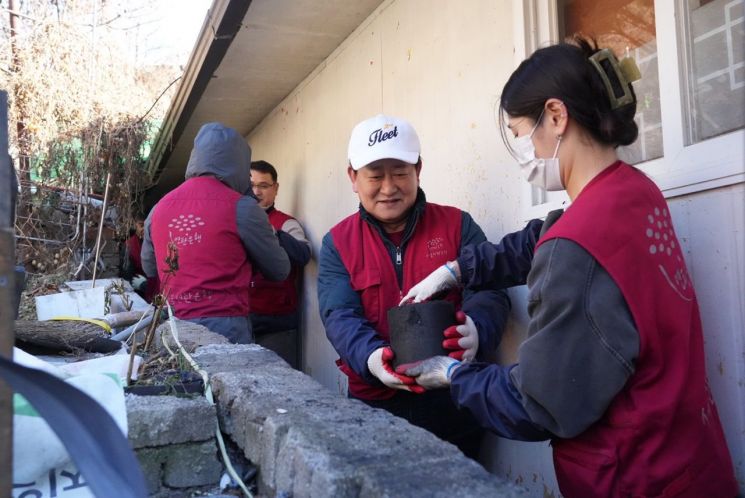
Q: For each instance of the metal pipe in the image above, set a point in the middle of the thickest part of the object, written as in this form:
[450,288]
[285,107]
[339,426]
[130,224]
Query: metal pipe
[100,227]
[47,241]
[124,334]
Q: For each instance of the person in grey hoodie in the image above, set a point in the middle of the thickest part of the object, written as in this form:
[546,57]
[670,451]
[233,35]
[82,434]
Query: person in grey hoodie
[204,237]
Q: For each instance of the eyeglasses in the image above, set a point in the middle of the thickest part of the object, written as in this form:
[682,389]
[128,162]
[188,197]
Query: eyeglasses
[262,186]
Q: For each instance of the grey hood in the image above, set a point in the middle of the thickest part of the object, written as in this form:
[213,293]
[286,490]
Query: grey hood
[221,152]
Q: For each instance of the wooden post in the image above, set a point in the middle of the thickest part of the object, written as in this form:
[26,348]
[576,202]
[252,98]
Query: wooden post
[100,228]
[7,295]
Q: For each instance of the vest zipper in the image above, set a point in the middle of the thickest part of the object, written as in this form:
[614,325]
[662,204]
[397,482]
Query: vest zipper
[398,256]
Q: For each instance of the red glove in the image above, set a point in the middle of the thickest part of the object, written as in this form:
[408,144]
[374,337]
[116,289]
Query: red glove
[379,364]
[432,373]
[462,339]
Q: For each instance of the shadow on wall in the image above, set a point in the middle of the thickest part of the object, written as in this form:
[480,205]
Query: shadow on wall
[296,196]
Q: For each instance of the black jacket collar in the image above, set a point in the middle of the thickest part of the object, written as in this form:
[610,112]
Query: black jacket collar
[414,213]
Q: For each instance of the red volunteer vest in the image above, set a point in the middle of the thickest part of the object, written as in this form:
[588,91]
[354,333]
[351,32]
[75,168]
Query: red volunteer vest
[274,298]
[212,279]
[661,435]
[436,239]
[134,247]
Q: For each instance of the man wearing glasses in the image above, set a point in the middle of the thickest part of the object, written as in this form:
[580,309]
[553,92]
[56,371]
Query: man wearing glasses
[274,305]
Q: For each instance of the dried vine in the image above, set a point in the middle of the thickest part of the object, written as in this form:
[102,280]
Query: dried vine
[81,106]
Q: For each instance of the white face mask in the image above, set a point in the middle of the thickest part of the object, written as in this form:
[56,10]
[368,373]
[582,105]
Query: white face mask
[543,173]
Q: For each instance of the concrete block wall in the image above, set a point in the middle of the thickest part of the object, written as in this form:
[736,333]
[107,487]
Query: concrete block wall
[305,440]
[309,442]
[174,437]
[174,440]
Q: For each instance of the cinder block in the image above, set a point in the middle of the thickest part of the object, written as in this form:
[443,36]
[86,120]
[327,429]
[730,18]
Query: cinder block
[192,464]
[191,336]
[161,420]
[151,462]
[304,467]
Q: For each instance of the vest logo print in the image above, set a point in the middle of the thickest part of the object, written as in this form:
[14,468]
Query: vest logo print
[186,226]
[380,135]
[436,248]
[664,247]
[193,296]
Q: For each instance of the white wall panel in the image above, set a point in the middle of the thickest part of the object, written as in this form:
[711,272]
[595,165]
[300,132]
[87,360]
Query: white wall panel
[427,61]
[442,64]
[711,226]
[305,137]
[443,68]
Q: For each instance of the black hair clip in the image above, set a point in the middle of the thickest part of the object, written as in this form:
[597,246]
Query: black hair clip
[617,77]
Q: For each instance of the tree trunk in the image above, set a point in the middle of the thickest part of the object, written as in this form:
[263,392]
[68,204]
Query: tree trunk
[65,335]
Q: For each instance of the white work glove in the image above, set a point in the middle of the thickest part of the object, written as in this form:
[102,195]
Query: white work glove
[432,373]
[463,339]
[138,282]
[379,364]
[443,278]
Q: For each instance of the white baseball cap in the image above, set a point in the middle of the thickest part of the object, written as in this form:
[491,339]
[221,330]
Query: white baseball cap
[383,137]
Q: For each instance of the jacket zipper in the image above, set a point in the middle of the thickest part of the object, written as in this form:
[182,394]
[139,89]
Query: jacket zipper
[398,263]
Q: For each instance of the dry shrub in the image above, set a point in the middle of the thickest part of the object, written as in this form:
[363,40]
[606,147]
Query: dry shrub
[81,107]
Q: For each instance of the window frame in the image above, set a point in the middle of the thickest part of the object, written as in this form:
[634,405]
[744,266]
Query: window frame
[683,169]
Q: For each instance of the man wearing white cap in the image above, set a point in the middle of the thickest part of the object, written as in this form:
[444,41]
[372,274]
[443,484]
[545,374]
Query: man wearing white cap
[371,259]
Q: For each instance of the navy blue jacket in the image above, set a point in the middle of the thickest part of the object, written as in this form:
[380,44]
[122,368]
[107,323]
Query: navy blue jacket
[502,265]
[481,387]
[352,335]
[584,315]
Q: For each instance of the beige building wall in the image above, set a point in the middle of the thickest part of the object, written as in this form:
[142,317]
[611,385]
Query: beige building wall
[441,65]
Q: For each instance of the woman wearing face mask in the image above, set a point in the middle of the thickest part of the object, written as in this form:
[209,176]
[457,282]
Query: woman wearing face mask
[613,368]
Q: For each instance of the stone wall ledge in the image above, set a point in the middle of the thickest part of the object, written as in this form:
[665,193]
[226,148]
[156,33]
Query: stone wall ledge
[309,442]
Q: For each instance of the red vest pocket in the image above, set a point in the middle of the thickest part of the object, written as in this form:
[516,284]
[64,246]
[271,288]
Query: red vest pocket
[591,470]
[367,284]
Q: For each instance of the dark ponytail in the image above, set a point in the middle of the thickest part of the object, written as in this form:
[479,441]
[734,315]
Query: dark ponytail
[564,71]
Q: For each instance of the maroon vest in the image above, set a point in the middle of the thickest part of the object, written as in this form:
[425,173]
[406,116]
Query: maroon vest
[275,298]
[134,247]
[436,239]
[661,435]
[212,279]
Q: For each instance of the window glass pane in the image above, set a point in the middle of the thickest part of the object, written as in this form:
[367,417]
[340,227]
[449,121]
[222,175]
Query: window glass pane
[623,25]
[715,62]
